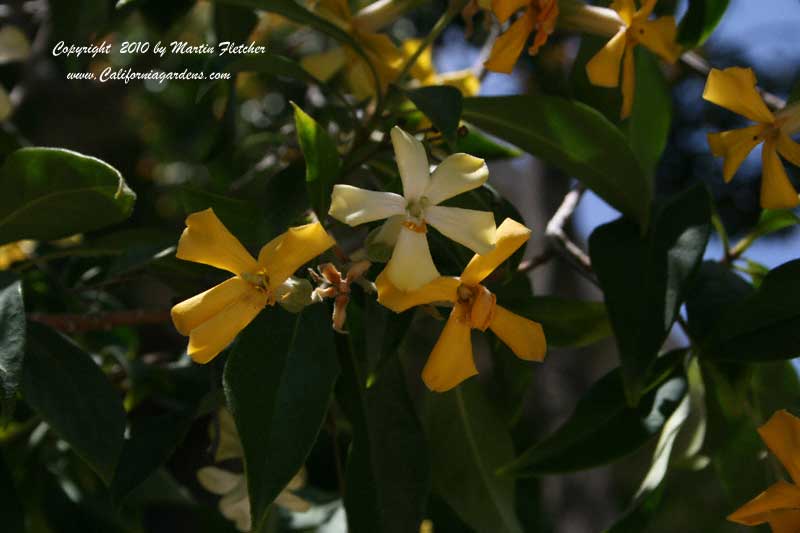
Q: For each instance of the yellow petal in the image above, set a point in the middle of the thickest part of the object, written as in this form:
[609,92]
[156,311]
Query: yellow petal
[190,313]
[337,9]
[781,434]
[503,9]
[646,9]
[457,174]
[284,254]
[360,79]
[293,502]
[789,149]
[211,337]
[325,64]
[628,82]
[206,240]
[451,361]
[412,163]
[355,206]
[787,521]
[603,68]
[464,80]
[659,36]
[626,10]
[473,229]
[442,289]
[734,146]
[780,496]
[735,89]
[510,236]
[509,45]
[423,69]
[411,265]
[777,191]
[524,337]
[218,481]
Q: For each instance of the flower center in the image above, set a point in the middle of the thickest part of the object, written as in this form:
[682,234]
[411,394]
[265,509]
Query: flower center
[259,281]
[416,208]
[479,305]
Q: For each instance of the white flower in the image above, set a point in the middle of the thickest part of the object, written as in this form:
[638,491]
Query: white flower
[411,265]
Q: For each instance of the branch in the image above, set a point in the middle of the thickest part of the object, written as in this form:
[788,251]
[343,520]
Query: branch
[101,321]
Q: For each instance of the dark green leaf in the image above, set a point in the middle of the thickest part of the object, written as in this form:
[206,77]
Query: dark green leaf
[49,193]
[12,515]
[12,334]
[477,143]
[70,392]
[700,20]
[648,125]
[645,278]
[565,322]
[715,289]
[603,427]
[573,137]
[278,382]
[640,514]
[468,442]
[233,23]
[764,326]
[244,219]
[322,160]
[441,104]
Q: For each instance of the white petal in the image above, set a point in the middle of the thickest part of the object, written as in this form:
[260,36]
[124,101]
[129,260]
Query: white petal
[458,173]
[355,206]
[411,265]
[218,481]
[474,229]
[389,231]
[412,162]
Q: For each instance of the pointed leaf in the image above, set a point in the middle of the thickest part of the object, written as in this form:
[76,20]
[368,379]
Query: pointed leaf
[441,104]
[699,21]
[322,160]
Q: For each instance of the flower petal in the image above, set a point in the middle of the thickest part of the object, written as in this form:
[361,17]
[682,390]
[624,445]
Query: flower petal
[442,289]
[450,361]
[207,340]
[355,206]
[659,37]
[603,68]
[787,521]
[464,80]
[626,10]
[646,9]
[628,82]
[524,337]
[777,191]
[734,146]
[293,502]
[191,313]
[457,174]
[781,434]
[780,496]
[206,240]
[423,69]
[284,254]
[503,9]
[412,162]
[474,229]
[229,446]
[325,64]
[217,481]
[235,506]
[511,235]
[509,45]
[411,265]
[735,89]
[789,149]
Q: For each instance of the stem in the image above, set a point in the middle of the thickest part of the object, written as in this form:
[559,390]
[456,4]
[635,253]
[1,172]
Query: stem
[577,16]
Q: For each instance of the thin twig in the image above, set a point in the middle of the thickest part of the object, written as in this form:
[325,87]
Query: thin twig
[101,321]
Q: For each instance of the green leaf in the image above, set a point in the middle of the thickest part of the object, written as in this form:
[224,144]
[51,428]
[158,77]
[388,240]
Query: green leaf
[773,220]
[322,160]
[278,381]
[574,138]
[645,279]
[603,427]
[477,143]
[468,442]
[651,116]
[441,104]
[12,335]
[765,325]
[715,289]
[233,23]
[12,514]
[700,20]
[565,322]
[62,383]
[49,193]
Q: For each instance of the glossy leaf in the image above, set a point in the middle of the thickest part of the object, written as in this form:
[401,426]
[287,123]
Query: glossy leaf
[468,442]
[651,116]
[477,143]
[603,427]
[566,322]
[50,193]
[12,334]
[322,160]
[63,384]
[278,382]
[645,279]
[715,289]
[573,137]
[441,104]
[699,21]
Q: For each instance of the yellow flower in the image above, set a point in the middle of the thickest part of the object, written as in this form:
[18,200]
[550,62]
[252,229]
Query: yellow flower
[424,71]
[14,252]
[383,54]
[779,505]
[474,307]
[656,35]
[213,318]
[735,89]
[408,216]
[540,16]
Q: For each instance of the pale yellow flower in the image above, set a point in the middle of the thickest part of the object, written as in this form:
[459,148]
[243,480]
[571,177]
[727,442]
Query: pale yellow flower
[539,18]
[212,319]
[735,89]
[474,307]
